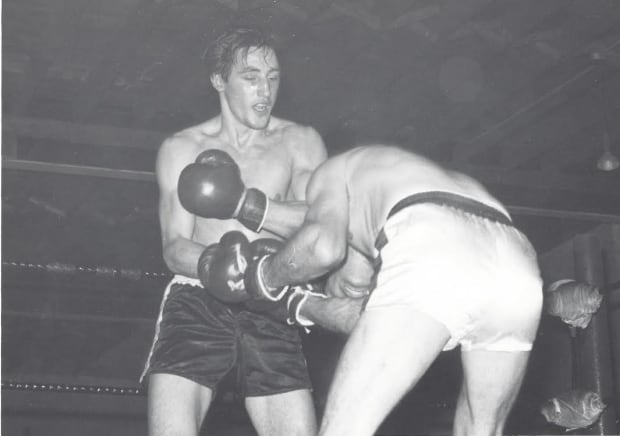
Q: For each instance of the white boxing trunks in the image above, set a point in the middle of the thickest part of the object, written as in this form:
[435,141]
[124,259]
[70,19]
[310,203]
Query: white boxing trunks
[476,275]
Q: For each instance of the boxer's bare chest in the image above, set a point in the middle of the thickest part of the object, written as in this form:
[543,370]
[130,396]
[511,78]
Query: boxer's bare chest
[265,163]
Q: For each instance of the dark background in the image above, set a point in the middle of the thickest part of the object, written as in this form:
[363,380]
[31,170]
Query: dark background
[523,95]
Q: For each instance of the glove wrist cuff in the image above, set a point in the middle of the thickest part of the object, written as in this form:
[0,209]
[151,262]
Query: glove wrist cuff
[253,209]
[272,294]
[296,299]
[257,287]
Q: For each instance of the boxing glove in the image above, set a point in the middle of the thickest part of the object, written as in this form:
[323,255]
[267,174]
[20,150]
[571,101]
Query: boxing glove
[212,187]
[221,267]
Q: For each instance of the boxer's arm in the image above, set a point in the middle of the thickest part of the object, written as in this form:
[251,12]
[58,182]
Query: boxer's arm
[354,279]
[335,314]
[320,244]
[284,218]
[177,225]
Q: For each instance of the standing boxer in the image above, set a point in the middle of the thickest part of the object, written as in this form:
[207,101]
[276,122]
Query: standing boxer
[198,337]
[453,271]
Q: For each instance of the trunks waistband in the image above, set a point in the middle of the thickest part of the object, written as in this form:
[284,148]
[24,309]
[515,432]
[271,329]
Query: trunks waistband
[449,199]
[456,201]
[189,281]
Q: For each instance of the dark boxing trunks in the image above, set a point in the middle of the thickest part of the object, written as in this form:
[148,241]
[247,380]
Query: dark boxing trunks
[202,339]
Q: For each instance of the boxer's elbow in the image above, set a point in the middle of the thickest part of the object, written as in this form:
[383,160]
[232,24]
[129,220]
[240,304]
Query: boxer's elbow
[329,249]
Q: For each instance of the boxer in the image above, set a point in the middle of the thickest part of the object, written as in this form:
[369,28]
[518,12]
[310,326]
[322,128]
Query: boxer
[203,334]
[453,271]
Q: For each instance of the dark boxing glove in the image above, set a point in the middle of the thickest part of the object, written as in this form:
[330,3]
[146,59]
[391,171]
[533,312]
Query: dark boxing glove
[222,266]
[212,187]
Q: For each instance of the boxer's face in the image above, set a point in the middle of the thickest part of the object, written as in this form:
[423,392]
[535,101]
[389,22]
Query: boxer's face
[252,87]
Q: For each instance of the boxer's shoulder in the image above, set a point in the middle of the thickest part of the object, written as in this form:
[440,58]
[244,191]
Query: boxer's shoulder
[289,131]
[182,146]
[304,144]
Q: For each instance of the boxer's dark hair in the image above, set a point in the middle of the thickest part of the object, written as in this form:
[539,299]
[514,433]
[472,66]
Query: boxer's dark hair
[220,55]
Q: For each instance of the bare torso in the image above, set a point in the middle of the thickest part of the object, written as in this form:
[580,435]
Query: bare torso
[378,177]
[265,163]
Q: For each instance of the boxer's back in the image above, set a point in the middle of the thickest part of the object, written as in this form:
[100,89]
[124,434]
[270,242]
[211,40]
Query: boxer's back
[379,176]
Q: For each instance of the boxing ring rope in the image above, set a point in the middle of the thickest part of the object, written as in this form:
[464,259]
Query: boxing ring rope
[147,176]
[133,274]
[67,269]
[70,388]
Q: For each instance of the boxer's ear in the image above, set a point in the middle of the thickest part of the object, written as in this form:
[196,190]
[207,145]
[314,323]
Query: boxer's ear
[217,82]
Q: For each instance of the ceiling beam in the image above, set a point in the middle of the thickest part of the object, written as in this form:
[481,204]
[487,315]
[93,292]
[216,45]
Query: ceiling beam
[575,85]
[527,114]
[557,129]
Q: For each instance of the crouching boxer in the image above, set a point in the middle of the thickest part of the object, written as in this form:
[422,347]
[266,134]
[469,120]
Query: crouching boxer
[452,271]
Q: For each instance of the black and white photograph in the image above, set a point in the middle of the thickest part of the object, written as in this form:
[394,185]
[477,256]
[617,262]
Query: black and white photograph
[310,217]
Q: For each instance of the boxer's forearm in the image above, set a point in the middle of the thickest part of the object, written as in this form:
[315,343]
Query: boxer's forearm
[335,314]
[284,218]
[309,254]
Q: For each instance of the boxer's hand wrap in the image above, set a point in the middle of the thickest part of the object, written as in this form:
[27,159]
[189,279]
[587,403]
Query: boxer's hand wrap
[255,283]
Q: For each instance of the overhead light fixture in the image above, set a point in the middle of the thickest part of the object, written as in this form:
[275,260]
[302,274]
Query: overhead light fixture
[608,161]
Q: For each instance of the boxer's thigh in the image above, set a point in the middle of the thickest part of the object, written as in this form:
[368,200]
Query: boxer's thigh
[288,413]
[176,405]
[388,351]
[491,383]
